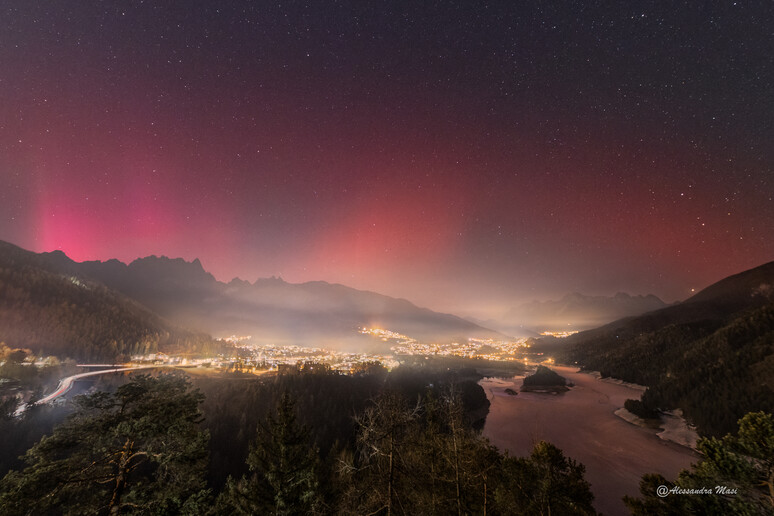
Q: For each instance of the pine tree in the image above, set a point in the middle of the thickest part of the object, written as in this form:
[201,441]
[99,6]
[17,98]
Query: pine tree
[546,482]
[739,469]
[284,469]
[139,449]
[419,459]
[468,461]
[381,476]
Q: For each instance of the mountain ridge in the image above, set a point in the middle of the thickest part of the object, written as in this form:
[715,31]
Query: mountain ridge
[49,308]
[711,356]
[576,311]
[270,309]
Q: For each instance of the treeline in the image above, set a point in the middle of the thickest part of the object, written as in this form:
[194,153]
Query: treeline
[715,370]
[142,449]
[307,444]
[327,404]
[410,457]
[235,405]
[70,317]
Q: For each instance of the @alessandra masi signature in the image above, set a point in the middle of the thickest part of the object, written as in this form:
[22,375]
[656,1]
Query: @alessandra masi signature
[664,491]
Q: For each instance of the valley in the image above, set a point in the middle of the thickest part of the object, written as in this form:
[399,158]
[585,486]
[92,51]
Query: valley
[386,259]
[170,314]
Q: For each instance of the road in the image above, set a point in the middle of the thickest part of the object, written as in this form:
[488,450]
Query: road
[65,384]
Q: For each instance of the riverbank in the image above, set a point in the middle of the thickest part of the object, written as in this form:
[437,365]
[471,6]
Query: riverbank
[582,422]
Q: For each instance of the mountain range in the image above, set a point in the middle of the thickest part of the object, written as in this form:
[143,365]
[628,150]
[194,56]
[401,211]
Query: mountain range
[51,311]
[577,312]
[271,310]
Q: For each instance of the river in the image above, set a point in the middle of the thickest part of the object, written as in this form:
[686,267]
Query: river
[581,422]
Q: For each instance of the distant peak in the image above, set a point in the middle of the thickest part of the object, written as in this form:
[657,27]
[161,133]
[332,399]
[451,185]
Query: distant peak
[165,259]
[177,267]
[147,259]
[272,280]
[57,256]
[238,282]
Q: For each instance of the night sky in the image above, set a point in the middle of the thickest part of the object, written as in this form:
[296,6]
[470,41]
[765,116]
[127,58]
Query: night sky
[464,155]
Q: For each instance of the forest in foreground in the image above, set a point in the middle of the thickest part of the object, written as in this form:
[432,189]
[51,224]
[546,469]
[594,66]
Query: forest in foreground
[403,442]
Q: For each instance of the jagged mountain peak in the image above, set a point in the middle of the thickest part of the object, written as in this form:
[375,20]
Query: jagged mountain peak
[167,268]
[271,280]
[167,261]
[272,310]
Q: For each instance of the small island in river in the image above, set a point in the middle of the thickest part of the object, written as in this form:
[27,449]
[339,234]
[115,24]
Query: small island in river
[544,380]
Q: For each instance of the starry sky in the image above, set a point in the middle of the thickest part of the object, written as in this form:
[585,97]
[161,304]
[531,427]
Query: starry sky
[464,155]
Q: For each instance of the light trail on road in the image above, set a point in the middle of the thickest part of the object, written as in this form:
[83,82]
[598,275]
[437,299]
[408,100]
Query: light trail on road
[65,384]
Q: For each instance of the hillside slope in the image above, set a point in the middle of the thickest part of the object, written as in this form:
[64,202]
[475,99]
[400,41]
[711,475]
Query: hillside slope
[48,310]
[577,312]
[712,356]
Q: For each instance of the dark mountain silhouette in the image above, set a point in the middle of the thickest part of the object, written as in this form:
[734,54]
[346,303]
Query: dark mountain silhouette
[45,306]
[271,310]
[749,288]
[577,312]
[712,355]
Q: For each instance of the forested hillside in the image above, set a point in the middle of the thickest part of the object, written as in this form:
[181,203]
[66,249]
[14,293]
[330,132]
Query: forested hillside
[712,356]
[50,312]
[326,402]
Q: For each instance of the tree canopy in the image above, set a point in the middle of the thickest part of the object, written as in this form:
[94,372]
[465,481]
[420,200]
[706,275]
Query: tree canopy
[283,469]
[738,472]
[422,458]
[139,449]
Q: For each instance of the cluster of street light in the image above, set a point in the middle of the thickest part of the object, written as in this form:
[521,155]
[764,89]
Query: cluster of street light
[259,358]
[486,349]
